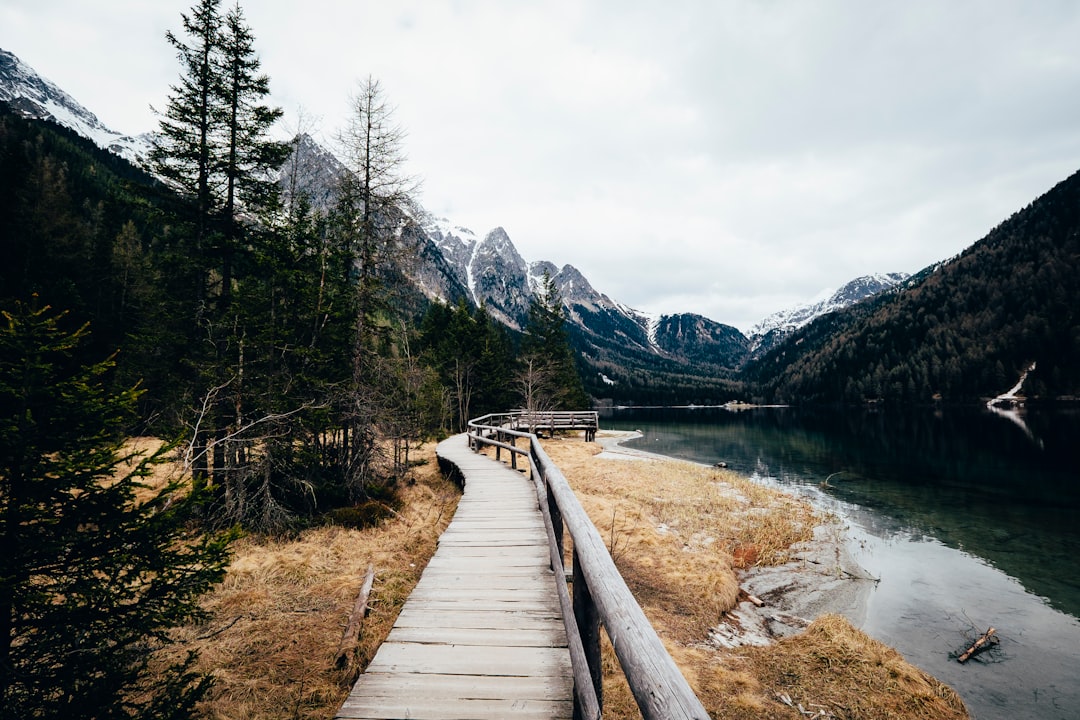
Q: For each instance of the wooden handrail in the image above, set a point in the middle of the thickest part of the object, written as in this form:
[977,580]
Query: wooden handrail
[601,596]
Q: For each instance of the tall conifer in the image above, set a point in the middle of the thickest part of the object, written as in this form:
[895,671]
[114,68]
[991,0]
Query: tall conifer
[91,577]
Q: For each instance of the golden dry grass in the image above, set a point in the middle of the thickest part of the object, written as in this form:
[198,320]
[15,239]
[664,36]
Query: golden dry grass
[679,532]
[278,617]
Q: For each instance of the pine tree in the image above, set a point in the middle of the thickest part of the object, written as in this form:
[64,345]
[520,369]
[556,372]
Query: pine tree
[91,577]
[216,149]
[249,157]
[364,223]
[187,151]
[548,378]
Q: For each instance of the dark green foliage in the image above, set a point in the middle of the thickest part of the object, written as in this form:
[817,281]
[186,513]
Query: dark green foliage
[548,376]
[88,232]
[472,356]
[91,580]
[961,331]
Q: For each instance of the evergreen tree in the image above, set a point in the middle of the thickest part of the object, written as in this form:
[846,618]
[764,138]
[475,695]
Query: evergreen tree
[249,157]
[187,151]
[364,222]
[215,148]
[548,377]
[472,356]
[91,577]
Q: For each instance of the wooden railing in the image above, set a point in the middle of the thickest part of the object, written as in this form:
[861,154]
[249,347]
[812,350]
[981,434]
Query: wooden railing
[601,597]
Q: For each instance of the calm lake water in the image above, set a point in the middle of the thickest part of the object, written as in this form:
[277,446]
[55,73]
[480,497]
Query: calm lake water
[970,519]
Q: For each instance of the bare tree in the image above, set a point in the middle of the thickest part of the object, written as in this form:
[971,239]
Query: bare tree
[371,193]
[536,382]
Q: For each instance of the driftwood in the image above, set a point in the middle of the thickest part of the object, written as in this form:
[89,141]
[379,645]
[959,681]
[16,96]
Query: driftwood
[987,639]
[743,595]
[351,637]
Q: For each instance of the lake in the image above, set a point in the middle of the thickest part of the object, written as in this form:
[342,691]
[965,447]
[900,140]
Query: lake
[970,518]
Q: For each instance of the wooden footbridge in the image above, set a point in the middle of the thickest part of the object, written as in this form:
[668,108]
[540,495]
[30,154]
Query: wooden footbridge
[491,630]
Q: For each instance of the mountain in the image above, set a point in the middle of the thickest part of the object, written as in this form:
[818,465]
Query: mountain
[625,353]
[33,96]
[776,328]
[312,171]
[961,330]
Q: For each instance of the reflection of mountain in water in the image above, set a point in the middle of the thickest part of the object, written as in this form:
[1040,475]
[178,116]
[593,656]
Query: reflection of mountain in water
[972,479]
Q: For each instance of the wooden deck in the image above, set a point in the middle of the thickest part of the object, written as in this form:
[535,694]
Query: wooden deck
[482,635]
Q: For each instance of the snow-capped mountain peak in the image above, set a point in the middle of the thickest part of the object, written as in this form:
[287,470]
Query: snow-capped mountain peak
[36,97]
[775,327]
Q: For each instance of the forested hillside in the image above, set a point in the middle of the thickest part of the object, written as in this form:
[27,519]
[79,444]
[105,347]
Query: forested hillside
[960,331]
[275,340]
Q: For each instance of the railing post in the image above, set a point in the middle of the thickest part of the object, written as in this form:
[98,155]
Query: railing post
[588,622]
[556,519]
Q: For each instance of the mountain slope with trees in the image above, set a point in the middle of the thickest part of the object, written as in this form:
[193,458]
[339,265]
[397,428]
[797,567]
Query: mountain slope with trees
[963,330]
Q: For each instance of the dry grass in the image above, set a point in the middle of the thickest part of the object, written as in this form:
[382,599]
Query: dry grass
[679,533]
[278,617]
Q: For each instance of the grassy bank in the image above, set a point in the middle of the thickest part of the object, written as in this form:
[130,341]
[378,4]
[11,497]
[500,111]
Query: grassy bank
[678,532]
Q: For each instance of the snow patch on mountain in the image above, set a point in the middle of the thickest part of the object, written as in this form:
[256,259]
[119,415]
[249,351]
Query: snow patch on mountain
[828,301]
[36,97]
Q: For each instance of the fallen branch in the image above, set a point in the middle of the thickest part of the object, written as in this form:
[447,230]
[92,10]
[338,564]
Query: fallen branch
[220,630]
[987,639]
[743,595]
[351,637]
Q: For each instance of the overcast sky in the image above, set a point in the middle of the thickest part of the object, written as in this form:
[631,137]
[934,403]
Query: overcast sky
[724,158]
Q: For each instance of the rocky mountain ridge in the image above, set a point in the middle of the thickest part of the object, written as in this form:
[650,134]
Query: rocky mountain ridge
[450,261]
[777,327]
[33,96]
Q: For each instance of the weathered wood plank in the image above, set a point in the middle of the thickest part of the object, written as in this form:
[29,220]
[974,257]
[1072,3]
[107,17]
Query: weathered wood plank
[482,635]
[545,636]
[488,660]
[479,687]
[481,596]
[439,708]
[526,577]
[477,619]
[533,605]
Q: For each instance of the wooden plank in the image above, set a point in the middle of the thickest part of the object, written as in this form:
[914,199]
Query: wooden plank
[529,577]
[494,535]
[529,552]
[484,598]
[480,687]
[529,605]
[477,619]
[550,635]
[539,583]
[470,660]
[439,708]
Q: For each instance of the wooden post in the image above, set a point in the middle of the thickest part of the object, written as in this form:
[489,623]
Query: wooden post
[556,519]
[588,622]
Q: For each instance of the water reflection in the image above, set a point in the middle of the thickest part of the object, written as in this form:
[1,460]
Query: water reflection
[970,478]
[969,518]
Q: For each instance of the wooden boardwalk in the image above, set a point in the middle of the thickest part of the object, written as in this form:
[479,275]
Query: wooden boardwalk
[482,635]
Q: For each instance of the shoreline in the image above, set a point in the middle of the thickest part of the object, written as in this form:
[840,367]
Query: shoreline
[822,576]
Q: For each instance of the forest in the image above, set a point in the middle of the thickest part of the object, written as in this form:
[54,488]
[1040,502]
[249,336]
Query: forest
[270,339]
[961,331]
